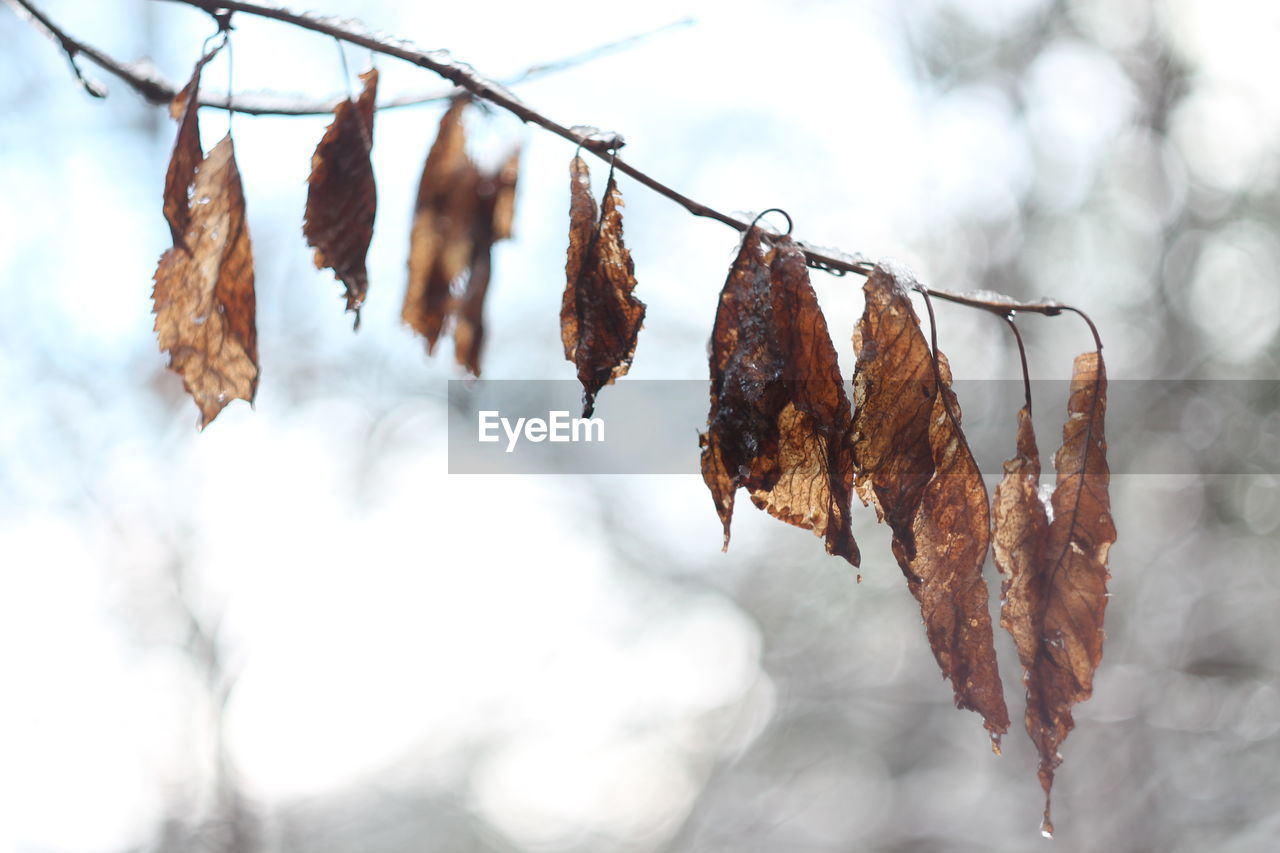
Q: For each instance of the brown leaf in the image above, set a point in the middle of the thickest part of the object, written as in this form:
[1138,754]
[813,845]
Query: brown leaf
[1055,589]
[204,297]
[440,246]
[914,464]
[504,201]
[187,153]
[779,418]
[494,209]
[600,317]
[341,196]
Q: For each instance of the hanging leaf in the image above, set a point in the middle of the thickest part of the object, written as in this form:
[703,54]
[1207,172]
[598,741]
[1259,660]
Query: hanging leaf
[204,297]
[341,196]
[915,466]
[1056,572]
[187,152]
[494,209]
[504,196]
[440,245]
[600,317]
[779,418]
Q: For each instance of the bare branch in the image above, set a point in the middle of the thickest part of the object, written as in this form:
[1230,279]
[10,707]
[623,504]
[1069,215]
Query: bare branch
[465,79]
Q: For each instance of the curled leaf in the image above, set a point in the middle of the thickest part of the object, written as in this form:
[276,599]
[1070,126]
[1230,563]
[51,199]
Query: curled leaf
[204,295]
[187,153]
[1056,572]
[440,244]
[600,317]
[494,209]
[341,196]
[914,465]
[779,418]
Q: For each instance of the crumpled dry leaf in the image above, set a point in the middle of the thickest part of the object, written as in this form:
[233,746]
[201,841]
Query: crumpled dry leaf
[204,295]
[342,198]
[914,465]
[440,245]
[187,153]
[779,418]
[1056,572]
[600,317]
[494,209]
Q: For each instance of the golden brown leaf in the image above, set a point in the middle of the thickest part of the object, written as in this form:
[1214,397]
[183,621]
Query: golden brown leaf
[600,317]
[494,209]
[914,464]
[504,201]
[204,297]
[1019,539]
[779,418]
[342,198]
[1055,590]
[187,153]
[440,245]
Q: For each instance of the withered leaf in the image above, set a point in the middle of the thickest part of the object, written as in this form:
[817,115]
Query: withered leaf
[600,317]
[915,466]
[779,418]
[187,152]
[494,209]
[342,198]
[440,245]
[204,296]
[1056,572]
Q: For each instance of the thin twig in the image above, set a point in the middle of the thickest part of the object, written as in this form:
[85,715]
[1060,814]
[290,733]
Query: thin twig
[70,46]
[148,82]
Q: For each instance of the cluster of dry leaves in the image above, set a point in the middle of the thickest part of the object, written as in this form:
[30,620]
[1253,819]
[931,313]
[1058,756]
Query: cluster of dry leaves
[204,297]
[780,425]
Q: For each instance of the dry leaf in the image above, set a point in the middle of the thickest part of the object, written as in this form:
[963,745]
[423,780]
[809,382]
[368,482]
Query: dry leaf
[341,196]
[1055,589]
[914,464]
[204,298]
[187,153]
[494,209]
[600,317]
[779,419]
[440,247]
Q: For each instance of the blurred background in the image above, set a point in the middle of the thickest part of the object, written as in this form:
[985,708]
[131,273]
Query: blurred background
[297,632]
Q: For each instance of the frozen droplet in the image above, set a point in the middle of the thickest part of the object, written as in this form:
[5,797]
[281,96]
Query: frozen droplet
[1045,493]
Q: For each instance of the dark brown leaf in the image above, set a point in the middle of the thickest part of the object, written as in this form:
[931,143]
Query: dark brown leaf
[779,419]
[204,297]
[494,209]
[341,196]
[1056,584]
[914,464]
[440,247]
[600,317]
[187,153]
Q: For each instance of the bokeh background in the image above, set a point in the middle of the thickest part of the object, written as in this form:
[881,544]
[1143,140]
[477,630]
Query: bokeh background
[297,632]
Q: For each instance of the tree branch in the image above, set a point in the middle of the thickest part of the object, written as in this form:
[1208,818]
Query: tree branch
[466,79]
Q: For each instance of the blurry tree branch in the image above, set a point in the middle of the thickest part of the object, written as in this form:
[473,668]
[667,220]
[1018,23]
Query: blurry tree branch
[155,88]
